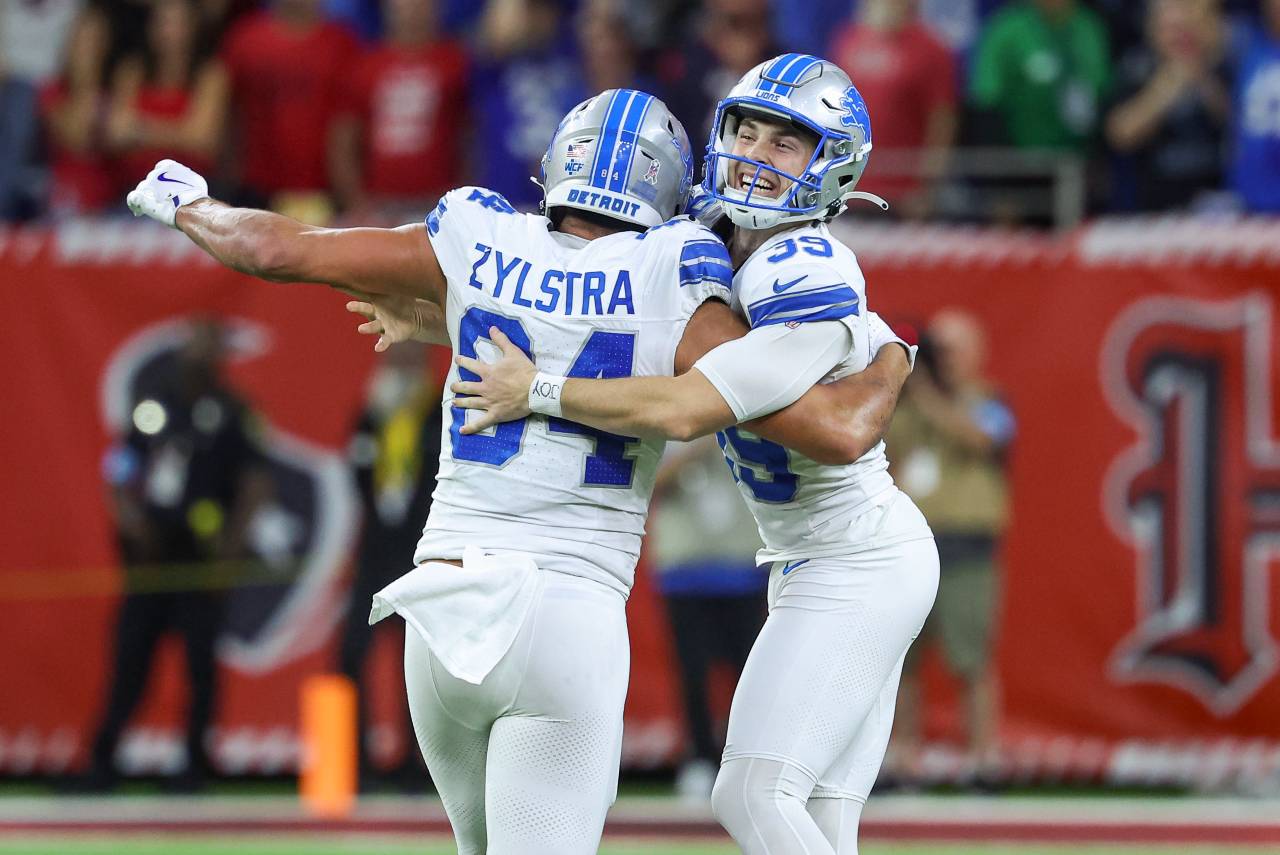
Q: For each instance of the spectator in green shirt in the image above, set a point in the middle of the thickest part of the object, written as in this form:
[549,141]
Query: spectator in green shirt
[1042,69]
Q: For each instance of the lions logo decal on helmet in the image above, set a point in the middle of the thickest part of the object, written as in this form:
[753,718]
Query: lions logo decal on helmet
[855,112]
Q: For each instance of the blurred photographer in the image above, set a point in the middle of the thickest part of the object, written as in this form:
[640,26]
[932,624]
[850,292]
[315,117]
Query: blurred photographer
[184,483]
[947,447]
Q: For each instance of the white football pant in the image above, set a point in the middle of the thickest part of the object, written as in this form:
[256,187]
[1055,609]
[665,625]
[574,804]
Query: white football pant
[526,763]
[813,710]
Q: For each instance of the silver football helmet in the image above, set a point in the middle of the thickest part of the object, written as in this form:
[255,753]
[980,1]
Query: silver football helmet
[815,95]
[622,154]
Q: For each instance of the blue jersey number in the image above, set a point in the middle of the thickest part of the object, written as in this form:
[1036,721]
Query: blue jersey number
[781,483]
[814,246]
[606,354]
[504,443]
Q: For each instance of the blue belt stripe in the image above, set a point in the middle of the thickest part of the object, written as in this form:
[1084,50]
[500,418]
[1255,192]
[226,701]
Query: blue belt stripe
[609,135]
[627,141]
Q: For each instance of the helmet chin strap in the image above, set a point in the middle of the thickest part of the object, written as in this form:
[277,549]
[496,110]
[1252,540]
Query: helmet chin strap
[542,203]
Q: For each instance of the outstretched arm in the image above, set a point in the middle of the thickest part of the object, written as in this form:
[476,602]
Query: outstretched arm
[280,249]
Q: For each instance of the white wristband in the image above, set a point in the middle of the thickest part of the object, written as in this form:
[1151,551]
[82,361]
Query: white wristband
[881,334]
[544,394]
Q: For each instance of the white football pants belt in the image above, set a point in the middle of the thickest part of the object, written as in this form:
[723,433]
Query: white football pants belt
[470,615]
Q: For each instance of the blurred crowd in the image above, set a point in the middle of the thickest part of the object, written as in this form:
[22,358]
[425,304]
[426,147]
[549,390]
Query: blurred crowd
[372,108]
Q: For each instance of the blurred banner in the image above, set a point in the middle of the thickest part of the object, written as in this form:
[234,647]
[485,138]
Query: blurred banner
[1137,633]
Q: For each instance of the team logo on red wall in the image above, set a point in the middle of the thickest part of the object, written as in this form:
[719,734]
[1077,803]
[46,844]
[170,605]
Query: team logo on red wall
[300,538]
[1197,494]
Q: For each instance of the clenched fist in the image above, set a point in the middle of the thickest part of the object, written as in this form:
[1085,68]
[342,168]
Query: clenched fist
[168,187]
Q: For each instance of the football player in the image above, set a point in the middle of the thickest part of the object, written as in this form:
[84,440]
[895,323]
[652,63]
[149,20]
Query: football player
[518,663]
[854,566]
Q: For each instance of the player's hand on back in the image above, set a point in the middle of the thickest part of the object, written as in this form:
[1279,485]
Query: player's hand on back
[167,187]
[394,319]
[502,390]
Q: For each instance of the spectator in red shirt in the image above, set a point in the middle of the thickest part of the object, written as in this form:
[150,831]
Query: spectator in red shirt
[397,138]
[907,77]
[286,67]
[72,108]
[171,99]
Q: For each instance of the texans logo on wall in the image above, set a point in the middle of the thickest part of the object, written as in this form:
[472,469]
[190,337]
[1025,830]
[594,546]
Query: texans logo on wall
[302,535]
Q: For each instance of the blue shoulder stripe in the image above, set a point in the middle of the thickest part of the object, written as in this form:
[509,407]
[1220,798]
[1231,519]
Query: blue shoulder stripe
[706,272]
[433,218]
[696,249]
[702,260]
[824,304]
[833,313]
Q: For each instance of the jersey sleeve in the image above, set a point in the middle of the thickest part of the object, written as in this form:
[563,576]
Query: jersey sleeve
[463,222]
[705,271]
[771,367]
[795,293]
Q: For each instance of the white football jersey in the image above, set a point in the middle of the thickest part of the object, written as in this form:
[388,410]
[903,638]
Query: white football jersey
[573,497]
[805,509]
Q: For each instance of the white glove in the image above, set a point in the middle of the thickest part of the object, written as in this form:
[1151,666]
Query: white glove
[168,187]
[881,334]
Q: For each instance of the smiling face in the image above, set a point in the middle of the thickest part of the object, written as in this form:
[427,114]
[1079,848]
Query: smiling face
[777,144]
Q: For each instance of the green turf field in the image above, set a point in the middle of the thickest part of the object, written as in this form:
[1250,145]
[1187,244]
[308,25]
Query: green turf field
[364,845]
